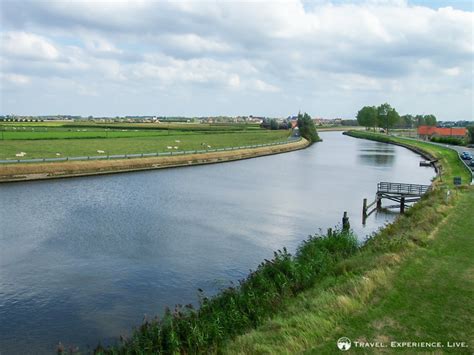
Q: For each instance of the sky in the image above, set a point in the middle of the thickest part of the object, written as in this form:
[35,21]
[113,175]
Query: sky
[263,58]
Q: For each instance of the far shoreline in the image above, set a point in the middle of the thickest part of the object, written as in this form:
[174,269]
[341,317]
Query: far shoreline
[47,171]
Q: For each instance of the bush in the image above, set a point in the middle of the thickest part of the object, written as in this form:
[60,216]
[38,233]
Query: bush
[238,309]
[448,140]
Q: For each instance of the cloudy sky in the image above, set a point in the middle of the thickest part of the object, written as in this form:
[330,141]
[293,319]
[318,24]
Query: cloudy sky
[272,58]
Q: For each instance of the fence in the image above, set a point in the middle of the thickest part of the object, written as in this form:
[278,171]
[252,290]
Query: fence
[145,155]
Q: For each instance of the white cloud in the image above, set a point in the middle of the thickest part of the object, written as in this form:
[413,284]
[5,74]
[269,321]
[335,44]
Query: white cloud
[227,50]
[17,79]
[28,46]
[263,86]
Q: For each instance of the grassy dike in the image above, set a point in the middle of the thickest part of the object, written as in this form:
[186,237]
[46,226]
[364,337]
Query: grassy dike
[412,281]
[54,170]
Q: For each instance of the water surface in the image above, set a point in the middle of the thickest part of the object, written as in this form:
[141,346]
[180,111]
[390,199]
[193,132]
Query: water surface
[82,260]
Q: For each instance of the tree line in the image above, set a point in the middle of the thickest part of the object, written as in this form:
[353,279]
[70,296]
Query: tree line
[386,117]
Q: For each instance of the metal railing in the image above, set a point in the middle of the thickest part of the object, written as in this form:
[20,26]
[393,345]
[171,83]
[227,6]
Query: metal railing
[145,155]
[400,188]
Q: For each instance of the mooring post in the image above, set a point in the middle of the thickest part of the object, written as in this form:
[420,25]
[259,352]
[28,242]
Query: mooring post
[345,222]
[379,202]
[402,204]
[364,211]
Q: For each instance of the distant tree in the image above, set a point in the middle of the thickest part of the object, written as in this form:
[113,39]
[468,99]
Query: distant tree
[420,120]
[470,130]
[307,128]
[265,123]
[406,121]
[349,123]
[430,120]
[387,116]
[273,124]
[283,125]
[367,116]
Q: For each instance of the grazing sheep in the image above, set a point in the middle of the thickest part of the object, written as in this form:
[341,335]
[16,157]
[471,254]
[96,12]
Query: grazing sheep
[175,147]
[100,151]
[177,141]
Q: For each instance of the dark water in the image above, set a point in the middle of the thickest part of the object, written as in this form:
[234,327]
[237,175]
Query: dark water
[82,260]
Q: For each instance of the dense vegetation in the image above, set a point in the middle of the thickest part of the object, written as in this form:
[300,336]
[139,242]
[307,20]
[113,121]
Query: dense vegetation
[385,116]
[448,140]
[470,130]
[307,128]
[243,307]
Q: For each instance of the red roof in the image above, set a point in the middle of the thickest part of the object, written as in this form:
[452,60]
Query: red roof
[430,130]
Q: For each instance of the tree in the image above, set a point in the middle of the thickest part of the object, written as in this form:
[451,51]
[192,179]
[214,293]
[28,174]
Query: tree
[273,124]
[430,120]
[307,128]
[470,130]
[387,116]
[406,121]
[367,116]
[420,120]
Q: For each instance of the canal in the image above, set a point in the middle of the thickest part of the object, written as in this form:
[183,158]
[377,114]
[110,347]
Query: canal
[82,260]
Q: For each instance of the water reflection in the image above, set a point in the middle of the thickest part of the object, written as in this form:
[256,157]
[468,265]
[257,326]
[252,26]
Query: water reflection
[378,154]
[82,260]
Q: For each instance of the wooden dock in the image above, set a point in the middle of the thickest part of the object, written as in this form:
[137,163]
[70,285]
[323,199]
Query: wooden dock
[398,192]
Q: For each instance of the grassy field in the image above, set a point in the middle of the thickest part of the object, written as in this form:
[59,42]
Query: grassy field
[56,130]
[411,282]
[39,141]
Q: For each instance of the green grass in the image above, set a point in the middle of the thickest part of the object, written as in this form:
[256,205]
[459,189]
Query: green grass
[91,126]
[22,131]
[431,296]
[157,142]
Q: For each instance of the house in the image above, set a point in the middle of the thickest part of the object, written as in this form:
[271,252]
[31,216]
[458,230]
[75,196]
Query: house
[426,132]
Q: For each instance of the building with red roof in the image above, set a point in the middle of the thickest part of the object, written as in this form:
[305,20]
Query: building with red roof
[427,132]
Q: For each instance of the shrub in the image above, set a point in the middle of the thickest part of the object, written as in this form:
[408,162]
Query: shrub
[448,140]
[237,309]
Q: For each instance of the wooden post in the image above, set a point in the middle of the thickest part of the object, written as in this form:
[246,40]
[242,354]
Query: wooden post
[345,222]
[364,211]
[379,202]
[402,204]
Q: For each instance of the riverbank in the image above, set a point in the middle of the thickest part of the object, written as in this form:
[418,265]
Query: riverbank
[54,170]
[411,282]
[447,161]
[308,308]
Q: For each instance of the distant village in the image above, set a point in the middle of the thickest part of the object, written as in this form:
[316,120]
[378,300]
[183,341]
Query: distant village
[283,122]
[319,121]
